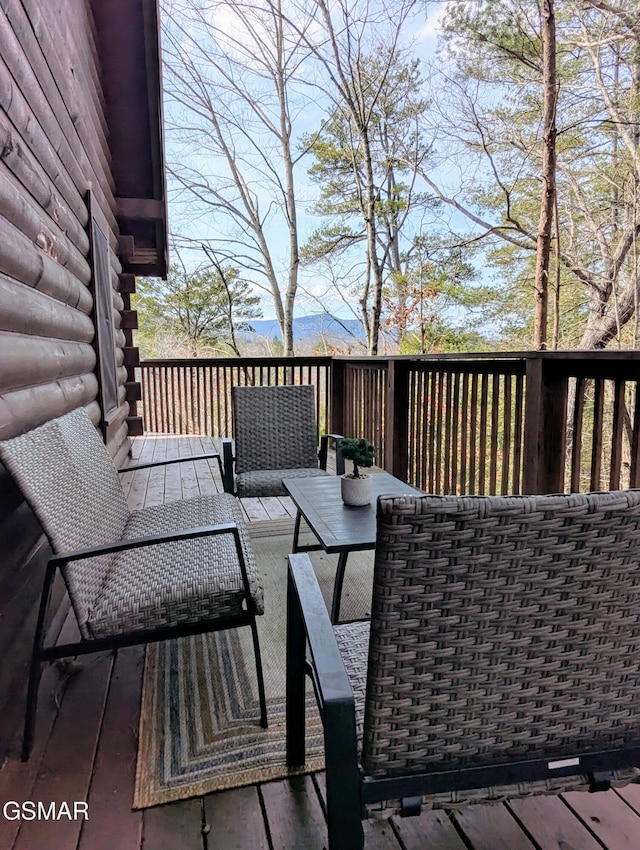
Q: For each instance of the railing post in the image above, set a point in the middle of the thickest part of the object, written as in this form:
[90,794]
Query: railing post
[554,435]
[396,432]
[336,423]
[532,448]
[545,428]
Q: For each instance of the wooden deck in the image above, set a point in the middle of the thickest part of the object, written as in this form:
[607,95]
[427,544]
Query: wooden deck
[86,749]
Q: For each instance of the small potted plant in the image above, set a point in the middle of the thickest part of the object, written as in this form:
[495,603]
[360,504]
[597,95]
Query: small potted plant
[356,487]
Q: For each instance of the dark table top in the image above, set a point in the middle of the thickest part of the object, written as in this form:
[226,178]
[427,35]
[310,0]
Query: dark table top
[340,527]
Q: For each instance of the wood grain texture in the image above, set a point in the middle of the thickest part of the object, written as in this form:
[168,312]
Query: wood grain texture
[491,827]
[294,814]
[67,765]
[176,826]
[433,829]
[608,816]
[234,820]
[112,823]
[26,310]
[552,825]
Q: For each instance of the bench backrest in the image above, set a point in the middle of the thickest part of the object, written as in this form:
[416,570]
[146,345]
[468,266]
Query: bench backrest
[502,627]
[67,477]
[275,427]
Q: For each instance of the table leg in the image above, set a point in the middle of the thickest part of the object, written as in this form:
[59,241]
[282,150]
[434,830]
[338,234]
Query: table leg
[337,587]
[296,531]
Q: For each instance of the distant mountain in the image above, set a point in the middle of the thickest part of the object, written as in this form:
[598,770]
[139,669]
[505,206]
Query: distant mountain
[309,327]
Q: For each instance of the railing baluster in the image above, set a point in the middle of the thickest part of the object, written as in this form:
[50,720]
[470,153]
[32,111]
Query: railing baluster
[506,434]
[596,440]
[634,471]
[439,420]
[433,401]
[617,426]
[493,450]
[464,434]
[576,435]
[518,435]
[455,447]
[483,434]
[446,487]
[473,435]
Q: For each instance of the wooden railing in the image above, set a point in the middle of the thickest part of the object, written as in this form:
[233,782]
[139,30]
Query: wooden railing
[525,422]
[446,425]
[194,396]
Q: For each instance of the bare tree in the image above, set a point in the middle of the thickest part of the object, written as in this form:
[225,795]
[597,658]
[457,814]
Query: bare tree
[230,78]
[347,35]
[345,177]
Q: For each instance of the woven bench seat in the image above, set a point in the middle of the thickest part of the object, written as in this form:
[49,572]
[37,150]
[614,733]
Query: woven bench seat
[268,482]
[184,582]
[177,569]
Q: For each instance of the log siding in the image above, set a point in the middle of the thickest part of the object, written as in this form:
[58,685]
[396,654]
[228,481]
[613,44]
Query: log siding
[55,145]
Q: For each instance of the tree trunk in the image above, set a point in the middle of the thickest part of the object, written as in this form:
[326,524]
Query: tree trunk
[550,97]
[369,213]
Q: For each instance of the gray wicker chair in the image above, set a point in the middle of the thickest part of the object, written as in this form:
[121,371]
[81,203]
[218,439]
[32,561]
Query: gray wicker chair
[502,657]
[276,437]
[180,568]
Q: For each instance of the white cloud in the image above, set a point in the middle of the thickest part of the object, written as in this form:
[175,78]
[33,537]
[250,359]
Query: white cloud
[430,29]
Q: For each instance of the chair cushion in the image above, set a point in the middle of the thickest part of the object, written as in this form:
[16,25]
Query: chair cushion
[268,482]
[182,582]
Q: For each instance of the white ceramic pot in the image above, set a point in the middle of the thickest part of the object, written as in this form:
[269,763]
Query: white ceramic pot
[356,491]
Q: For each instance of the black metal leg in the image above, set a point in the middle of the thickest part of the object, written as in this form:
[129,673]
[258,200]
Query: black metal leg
[35,668]
[296,646]
[337,587]
[344,815]
[296,530]
[261,692]
[35,673]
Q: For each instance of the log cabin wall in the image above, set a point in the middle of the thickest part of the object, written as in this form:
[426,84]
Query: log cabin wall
[55,146]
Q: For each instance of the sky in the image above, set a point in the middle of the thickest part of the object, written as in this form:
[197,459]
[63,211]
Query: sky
[186,221]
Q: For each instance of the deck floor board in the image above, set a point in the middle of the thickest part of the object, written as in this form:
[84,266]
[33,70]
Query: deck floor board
[607,815]
[85,750]
[492,827]
[552,824]
[112,822]
[234,820]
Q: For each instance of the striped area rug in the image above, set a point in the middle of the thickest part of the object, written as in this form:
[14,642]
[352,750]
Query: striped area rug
[199,723]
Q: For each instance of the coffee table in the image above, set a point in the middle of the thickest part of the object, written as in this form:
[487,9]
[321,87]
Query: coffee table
[338,527]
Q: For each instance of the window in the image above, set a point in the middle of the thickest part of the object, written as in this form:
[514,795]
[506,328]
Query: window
[103,320]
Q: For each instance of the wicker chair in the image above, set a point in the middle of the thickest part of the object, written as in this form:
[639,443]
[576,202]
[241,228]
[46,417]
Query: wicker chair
[180,568]
[276,437]
[502,657]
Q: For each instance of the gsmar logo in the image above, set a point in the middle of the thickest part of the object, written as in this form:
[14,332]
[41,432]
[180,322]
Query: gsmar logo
[32,810]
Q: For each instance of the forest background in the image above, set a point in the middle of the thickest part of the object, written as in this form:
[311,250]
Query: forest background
[386,163]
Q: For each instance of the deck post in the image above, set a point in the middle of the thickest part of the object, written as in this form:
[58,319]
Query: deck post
[396,435]
[336,396]
[554,428]
[545,426]
[532,449]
